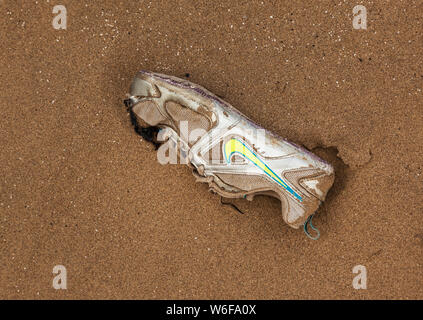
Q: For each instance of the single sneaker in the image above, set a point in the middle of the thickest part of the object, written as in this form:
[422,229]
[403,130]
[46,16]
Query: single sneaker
[234,155]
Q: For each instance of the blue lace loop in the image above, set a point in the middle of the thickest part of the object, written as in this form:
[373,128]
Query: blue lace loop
[310,222]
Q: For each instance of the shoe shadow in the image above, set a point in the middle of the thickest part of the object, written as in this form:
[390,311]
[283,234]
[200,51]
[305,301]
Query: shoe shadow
[326,213]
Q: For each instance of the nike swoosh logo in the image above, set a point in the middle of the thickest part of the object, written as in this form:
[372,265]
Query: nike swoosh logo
[236,146]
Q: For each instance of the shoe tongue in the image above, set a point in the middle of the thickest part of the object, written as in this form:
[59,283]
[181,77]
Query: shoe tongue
[142,88]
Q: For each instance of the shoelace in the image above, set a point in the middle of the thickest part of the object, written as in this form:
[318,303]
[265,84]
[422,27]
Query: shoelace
[310,222]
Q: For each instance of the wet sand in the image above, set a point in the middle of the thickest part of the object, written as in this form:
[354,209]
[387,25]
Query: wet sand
[79,188]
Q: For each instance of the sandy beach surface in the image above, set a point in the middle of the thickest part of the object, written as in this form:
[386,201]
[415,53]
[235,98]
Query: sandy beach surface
[80,189]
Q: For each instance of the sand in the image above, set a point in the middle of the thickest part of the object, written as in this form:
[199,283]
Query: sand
[79,188]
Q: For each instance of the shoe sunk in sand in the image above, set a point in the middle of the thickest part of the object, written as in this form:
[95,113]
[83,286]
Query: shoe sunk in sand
[235,156]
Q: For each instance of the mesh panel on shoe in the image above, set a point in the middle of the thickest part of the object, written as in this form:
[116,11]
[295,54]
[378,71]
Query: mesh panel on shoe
[300,178]
[294,177]
[215,154]
[149,112]
[195,120]
[324,182]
